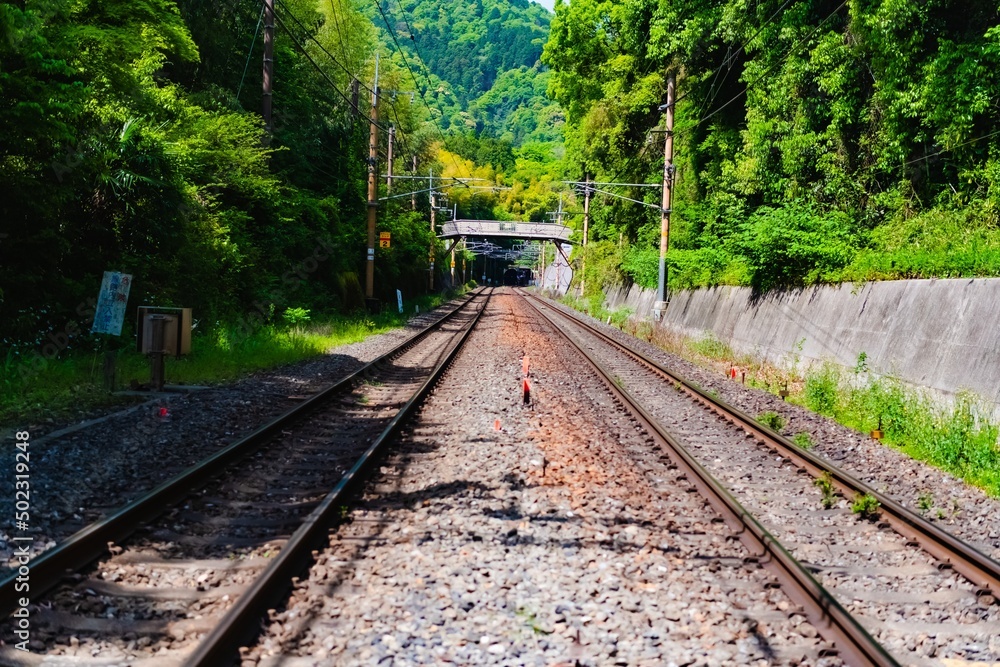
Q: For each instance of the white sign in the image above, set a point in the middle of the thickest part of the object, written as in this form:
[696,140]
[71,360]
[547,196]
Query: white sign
[111,303]
[399,298]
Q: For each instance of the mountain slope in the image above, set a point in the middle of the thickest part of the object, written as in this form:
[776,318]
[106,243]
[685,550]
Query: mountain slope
[482,63]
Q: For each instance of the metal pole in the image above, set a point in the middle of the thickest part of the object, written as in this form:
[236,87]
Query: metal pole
[372,189]
[586,228]
[392,140]
[430,274]
[668,175]
[268,62]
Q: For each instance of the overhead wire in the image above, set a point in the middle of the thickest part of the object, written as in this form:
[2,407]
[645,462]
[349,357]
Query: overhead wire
[325,76]
[419,90]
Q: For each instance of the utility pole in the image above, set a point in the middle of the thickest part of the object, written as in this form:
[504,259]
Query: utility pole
[668,177]
[559,220]
[372,189]
[392,140]
[586,230]
[430,274]
[268,63]
[413,197]
[454,216]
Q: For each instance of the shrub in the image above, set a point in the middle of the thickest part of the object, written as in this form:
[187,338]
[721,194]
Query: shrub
[822,388]
[772,420]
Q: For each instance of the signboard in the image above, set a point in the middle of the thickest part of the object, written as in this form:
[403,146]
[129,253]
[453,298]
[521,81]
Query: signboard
[384,239]
[111,303]
[399,298]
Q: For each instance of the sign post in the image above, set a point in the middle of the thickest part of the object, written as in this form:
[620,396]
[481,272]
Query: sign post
[109,317]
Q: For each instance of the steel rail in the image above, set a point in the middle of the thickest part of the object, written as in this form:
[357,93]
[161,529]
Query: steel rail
[950,551]
[92,542]
[242,622]
[853,643]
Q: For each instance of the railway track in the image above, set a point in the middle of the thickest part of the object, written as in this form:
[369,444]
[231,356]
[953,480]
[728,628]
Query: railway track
[205,555]
[925,595]
[499,533]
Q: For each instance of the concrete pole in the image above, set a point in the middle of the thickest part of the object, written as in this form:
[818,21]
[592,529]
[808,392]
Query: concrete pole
[430,274]
[413,197]
[372,189]
[668,175]
[392,140]
[268,63]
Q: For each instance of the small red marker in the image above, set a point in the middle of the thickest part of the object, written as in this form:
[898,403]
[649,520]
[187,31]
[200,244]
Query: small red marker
[524,365]
[496,425]
[527,392]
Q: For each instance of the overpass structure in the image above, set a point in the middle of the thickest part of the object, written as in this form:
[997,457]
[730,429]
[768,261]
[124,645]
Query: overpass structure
[500,229]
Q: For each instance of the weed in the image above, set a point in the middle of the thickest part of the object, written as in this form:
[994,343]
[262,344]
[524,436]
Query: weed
[925,502]
[219,353]
[825,485]
[712,347]
[712,393]
[620,316]
[822,389]
[529,619]
[861,365]
[866,506]
[618,382]
[772,420]
[803,440]
[363,400]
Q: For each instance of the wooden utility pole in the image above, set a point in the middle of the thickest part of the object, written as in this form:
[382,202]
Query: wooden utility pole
[430,274]
[668,176]
[372,189]
[454,216]
[268,63]
[392,140]
[586,229]
[559,220]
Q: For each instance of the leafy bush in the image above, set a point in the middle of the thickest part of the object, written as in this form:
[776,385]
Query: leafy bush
[822,389]
[794,245]
[772,420]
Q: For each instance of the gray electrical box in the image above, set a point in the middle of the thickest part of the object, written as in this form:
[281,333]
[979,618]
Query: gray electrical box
[176,324]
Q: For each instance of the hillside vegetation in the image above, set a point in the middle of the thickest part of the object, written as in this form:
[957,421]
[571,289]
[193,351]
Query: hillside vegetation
[816,140]
[478,63]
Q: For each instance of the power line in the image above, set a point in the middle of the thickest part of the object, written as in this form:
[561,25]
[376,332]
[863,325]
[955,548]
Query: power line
[421,92]
[250,52]
[319,69]
[947,150]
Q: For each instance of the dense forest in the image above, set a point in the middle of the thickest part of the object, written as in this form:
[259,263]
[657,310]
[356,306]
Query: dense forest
[133,141]
[816,140]
[481,61]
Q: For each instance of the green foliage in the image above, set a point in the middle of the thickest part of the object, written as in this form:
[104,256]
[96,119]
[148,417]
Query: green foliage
[841,144]
[793,246]
[803,440]
[829,493]
[866,506]
[772,420]
[711,347]
[959,438]
[296,317]
[822,389]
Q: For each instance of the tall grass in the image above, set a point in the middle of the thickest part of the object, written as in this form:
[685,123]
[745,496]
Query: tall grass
[74,380]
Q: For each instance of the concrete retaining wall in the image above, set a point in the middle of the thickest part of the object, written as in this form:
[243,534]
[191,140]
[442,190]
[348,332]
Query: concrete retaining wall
[939,334]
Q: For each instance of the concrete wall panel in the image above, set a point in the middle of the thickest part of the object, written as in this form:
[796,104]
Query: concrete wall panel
[939,334]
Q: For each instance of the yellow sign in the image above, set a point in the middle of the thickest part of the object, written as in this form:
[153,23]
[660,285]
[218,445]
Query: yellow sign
[384,239]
